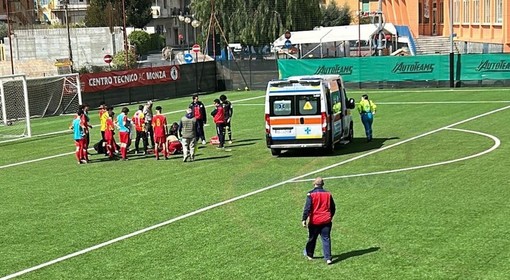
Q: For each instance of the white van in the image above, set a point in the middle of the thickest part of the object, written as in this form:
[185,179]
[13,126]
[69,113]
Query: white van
[307,112]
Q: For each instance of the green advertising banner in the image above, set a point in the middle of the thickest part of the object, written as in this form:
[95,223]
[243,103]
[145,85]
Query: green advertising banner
[484,67]
[401,68]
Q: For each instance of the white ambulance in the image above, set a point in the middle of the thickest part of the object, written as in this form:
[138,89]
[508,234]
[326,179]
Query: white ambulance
[307,112]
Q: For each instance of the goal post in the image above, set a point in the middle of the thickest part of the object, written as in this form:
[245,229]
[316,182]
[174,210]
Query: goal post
[23,99]
[15,107]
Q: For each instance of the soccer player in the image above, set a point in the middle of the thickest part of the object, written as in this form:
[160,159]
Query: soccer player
[219,119]
[78,135]
[86,123]
[160,130]
[123,124]
[139,122]
[104,112]
[198,111]
[228,109]
[108,135]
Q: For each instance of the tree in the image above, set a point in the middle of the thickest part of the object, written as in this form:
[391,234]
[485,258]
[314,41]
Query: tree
[141,40]
[138,12]
[334,16]
[109,13]
[95,15]
[257,22]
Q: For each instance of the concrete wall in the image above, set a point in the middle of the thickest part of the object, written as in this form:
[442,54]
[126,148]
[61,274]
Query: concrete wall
[89,45]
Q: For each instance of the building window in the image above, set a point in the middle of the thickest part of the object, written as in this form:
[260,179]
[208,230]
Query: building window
[498,11]
[426,12]
[476,11]
[456,11]
[420,13]
[465,11]
[486,11]
[365,6]
[441,12]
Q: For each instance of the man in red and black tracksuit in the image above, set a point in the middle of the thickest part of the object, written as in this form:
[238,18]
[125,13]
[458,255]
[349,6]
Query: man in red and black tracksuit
[198,111]
[320,209]
[219,119]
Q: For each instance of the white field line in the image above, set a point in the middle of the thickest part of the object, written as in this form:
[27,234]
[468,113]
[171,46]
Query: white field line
[356,90]
[444,102]
[198,211]
[414,102]
[69,131]
[497,143]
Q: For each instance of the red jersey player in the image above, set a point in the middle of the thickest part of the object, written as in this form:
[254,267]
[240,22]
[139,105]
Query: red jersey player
[160,130]
[108,135]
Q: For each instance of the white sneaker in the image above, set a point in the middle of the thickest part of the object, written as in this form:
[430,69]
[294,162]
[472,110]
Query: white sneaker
[230,141]
[307,256]
[328,262]
[203,142]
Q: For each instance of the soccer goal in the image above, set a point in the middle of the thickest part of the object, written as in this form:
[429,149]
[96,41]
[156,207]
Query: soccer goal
[24,98]
[15,117]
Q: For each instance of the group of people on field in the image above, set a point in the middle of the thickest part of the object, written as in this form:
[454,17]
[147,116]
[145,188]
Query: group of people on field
[151,128]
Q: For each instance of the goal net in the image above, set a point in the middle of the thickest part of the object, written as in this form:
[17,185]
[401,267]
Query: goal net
[24,98]
[15,115]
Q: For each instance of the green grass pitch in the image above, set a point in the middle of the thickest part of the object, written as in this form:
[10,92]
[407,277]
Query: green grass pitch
[425,200]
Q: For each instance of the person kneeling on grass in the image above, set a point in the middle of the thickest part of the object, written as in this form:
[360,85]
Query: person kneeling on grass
[174,146]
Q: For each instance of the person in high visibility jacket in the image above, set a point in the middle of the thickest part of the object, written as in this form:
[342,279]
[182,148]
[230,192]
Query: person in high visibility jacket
[367,109]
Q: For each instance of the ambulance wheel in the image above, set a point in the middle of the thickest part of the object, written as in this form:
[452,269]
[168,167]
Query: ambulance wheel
[276,152]
[351,132]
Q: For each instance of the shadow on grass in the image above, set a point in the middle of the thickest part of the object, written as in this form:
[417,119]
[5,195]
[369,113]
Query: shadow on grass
[361,145]
[240,145]
[356,146]
[352,254]
[211,158]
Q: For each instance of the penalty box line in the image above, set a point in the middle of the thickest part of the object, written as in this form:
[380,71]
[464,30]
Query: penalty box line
[198,211]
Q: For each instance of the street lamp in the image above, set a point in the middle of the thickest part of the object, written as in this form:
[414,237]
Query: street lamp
[187,21]
[195,23]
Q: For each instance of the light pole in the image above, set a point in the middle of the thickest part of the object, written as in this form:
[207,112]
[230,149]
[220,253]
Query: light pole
[186,21]
[359,32]
[195,23]
[66,15]
[452,84]
[124,31]
[9,31]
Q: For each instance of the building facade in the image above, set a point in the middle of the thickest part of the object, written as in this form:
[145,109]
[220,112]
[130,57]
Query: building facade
[479,22]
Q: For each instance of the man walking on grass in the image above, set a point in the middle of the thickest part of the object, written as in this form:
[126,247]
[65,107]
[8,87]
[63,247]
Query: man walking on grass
[319,209]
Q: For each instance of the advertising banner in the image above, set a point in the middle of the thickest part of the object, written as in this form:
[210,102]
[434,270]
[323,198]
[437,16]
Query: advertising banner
[370,69]
[484,67]
[467,67]
[94,82]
